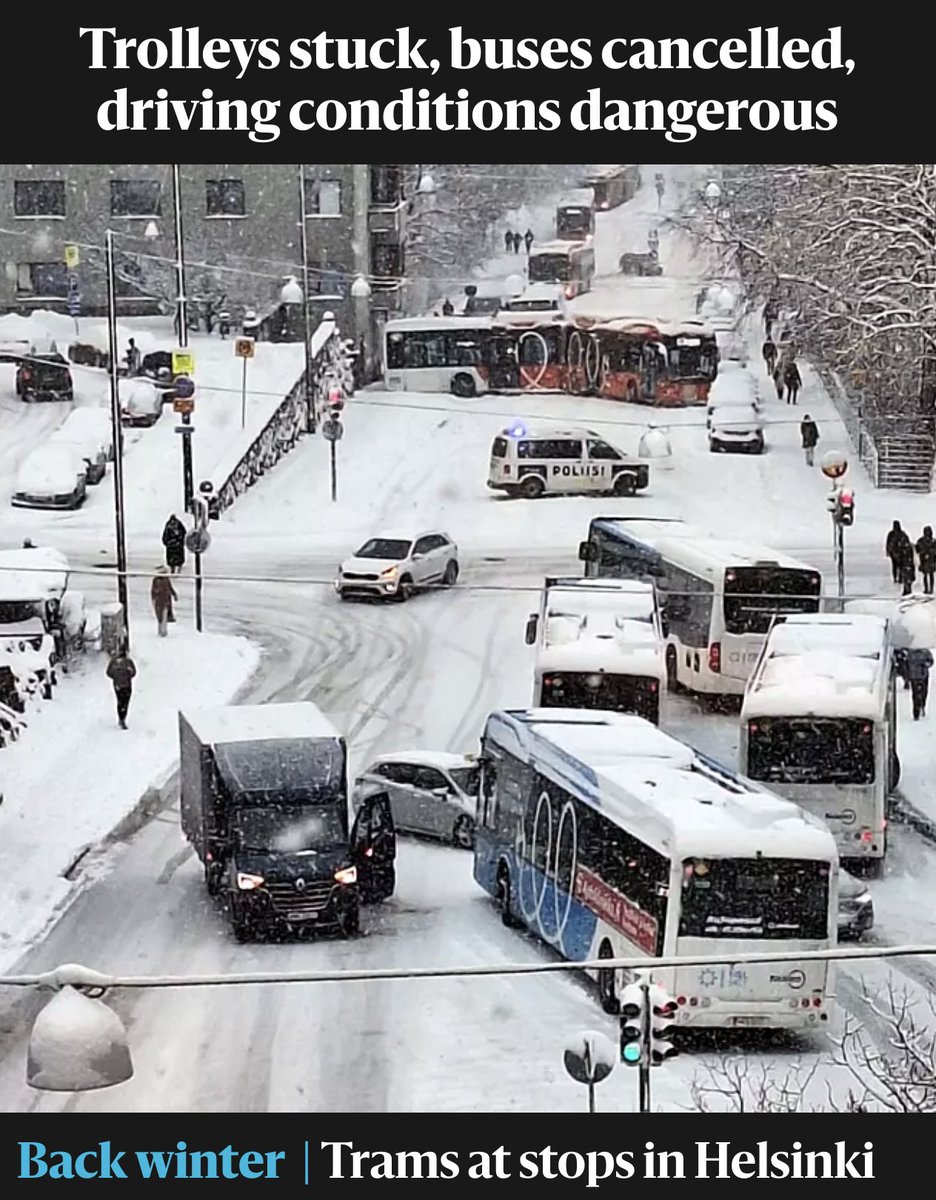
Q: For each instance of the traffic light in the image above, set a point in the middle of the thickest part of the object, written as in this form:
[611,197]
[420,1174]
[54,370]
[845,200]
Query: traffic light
[633,1016]
[662,1025]
[845,513]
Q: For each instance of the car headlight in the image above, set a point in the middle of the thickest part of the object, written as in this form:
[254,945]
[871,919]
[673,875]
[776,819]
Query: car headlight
[249,883]
[388,573]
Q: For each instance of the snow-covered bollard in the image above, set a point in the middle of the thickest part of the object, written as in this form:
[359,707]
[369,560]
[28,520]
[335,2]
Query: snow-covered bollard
[655,443]
[78,1044]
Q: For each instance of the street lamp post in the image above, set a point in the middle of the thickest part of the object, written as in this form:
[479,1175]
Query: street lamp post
[188,472]
[120,528]
[306,324]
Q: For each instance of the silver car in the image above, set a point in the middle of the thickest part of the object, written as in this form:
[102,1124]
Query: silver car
[431,794]
[395,566]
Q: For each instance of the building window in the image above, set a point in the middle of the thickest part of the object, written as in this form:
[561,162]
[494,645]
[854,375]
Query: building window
[42,279]
[328,279]
[136,198]
[386,183]
[39,198]
[323,197]
[225,198]
[387,260]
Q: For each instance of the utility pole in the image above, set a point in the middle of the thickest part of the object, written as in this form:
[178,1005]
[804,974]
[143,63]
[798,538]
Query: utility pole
[188,474]
[841,505]
[120,525]
[645,1049]
[306,322]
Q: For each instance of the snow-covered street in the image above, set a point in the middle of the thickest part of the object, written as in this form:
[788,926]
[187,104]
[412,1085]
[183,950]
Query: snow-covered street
[396,677]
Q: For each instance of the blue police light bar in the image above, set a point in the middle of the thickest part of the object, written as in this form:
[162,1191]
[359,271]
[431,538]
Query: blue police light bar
[516,430]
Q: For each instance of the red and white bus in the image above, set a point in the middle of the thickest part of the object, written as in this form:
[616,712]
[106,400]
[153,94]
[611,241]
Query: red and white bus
[569,265]
[691,363]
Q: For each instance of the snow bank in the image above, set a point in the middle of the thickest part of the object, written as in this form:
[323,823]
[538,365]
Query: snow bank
[74,776]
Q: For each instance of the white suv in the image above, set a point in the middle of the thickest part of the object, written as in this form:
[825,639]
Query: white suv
[396,565]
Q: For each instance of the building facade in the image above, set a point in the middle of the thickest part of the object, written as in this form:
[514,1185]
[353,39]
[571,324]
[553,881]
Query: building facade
[240,233]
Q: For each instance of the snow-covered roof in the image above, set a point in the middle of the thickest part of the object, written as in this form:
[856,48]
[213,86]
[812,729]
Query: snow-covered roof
[595,629]
[675,799]
[558,246]
[259,722]
[453,323]
[550,432]
[85,428]
[637,326]
[442,759]
[687,328]
[38,574]
[697,549]
[736,417]
[579,198]
[52,468]
[609,171]
[822,665]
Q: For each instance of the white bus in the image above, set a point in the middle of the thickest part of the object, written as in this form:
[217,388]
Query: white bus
[599,644]
[606,838]
[818,724]
[575,215]
[437,354]
[718,596]
[571,264]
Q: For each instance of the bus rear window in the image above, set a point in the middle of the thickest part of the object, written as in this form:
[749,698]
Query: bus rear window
[499,448]
[811,750]
[755,595]
[769,898]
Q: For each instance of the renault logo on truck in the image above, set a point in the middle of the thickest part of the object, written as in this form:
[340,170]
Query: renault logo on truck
[300,885]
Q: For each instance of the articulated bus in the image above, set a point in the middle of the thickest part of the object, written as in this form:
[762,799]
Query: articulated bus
[571,264]
[613,185]
[607,838]
[818,724]
[575,216]
[718,597]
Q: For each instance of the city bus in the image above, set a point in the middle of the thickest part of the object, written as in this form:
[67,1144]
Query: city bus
[571,264]
[718,596]
[613,185]
[437,354]
[607,838]
[599,644]
[575,216]
[819,725]
[690,363]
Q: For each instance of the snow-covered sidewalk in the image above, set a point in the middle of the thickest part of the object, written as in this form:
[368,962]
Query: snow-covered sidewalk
[74,776]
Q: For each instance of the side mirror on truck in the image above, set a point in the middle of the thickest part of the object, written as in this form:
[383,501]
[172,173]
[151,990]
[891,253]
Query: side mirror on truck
[531,627]
[588,552]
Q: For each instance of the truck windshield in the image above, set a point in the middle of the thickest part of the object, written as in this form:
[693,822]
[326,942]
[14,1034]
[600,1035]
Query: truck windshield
[289,830]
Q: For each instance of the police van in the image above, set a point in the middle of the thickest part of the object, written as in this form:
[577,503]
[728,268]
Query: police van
[558,461]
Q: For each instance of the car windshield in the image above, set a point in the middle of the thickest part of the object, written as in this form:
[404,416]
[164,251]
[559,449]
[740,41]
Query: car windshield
[384,548]
[468,779]
[289,829]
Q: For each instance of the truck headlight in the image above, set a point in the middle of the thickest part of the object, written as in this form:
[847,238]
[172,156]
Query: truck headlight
[346,875]
[249,883]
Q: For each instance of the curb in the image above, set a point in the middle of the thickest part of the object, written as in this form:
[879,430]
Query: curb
[153,801]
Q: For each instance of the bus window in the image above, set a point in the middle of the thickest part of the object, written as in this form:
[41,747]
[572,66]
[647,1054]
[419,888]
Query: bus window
[811,750]
[688,601]
[755,898]
[396,351]
[755,595]
[549,268]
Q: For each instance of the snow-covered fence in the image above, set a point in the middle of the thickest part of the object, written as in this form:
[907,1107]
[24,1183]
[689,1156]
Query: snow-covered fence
[330,372]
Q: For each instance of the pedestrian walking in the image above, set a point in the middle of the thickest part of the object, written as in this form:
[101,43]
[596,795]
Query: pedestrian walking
[701,297]
[906,568]
[792,381]
[778,382]
[896,547]
[517,242]
[926,553]
[133,358]
[162,594]
[173,538]
[660,184]
[771,312]
[919,665]
[769,351]
[809,435]
[528,240]
[121,671]
[448,308]
[508,241]
[900,666]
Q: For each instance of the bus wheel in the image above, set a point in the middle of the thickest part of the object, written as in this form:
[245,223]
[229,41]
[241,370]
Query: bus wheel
[672,672]
[502,898]
[607,988]
[625,484]
[463,386]
[532,487]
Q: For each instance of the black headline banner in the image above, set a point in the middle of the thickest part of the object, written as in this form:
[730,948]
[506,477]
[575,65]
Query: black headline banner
[668,85]
[365,1155]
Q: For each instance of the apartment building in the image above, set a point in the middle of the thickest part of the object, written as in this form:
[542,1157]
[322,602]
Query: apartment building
[240,232]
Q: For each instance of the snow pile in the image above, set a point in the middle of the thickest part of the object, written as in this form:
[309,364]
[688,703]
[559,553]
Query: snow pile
[50,470]
[89,429]
[76,776]
[77,1044]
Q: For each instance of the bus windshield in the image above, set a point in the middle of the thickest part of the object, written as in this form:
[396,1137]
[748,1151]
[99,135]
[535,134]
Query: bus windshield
[755,595]
[692,357]
[637,694]
[768,898]
[550,268]
[811,750]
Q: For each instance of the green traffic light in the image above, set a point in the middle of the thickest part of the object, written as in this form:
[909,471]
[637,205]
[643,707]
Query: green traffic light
[631,1053]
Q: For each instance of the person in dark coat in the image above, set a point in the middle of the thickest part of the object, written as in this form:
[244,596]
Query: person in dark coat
[448,308]
[771,312]
[919,665]
[809,435]
[778,381]
[508,241]
[528,240]
[162,594]
[926,554]
[769,351]
[121,671]
[792,381]
[900,665]
[906,568]
[173,539]
[896,547]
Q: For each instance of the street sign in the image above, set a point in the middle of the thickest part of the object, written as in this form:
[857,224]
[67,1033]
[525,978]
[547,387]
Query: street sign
[333,431]
[183,405]
[197,540]
[834,464]
[183,362]
[244,347]
[184,387]
[184,428]
[72,257]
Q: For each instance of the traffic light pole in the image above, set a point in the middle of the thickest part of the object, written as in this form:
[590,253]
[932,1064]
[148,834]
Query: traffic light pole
[646,1050]
[840,561]
[198,592]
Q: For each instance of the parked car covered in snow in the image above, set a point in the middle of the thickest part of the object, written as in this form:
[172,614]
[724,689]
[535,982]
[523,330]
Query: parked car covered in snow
[855,907]
[646,263]
[44,376]
[88,432]
[30,652]
[51,477]
[736,430]
[141,401]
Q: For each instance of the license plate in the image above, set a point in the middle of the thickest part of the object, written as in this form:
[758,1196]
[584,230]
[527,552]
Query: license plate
[749,1020]
[301,916]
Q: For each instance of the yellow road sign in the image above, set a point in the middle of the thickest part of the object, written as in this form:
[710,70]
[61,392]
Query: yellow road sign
[72,257]
[244,347]
[183,362]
